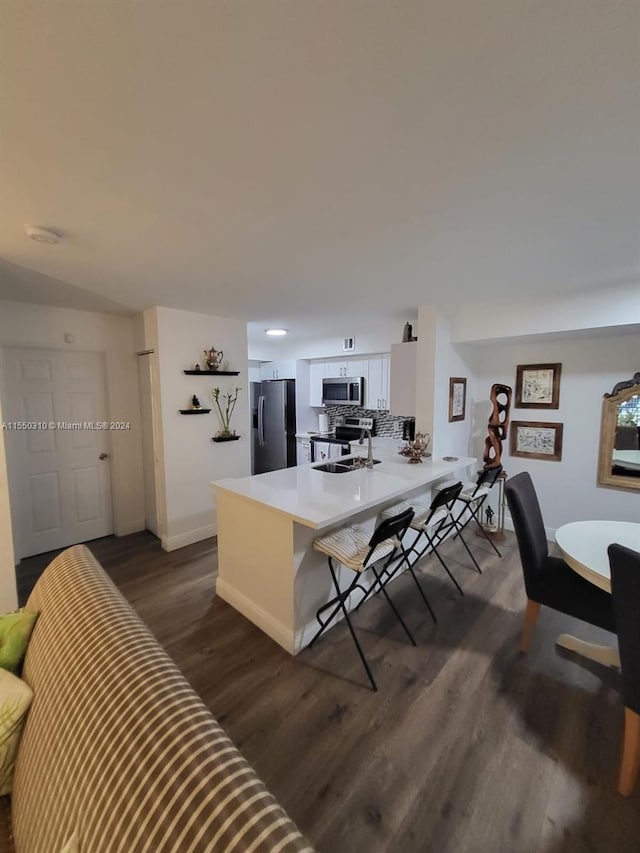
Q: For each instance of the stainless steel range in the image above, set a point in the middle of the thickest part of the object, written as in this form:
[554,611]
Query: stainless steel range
[325,447]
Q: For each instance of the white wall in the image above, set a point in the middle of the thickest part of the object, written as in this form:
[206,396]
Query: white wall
[438,360]
[594,311]
[8,593]
[369,338]
[40,326]
[568,490]
[190,460]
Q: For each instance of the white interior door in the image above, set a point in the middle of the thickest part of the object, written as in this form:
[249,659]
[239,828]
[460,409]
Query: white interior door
[56,430]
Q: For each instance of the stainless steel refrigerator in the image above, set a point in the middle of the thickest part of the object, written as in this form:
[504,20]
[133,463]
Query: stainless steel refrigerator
[273,421]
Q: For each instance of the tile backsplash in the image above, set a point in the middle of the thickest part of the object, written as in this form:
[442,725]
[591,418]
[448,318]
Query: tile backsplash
[386,424]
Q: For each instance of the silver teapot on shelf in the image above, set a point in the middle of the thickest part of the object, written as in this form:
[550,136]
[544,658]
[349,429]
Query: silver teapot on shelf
[213,358]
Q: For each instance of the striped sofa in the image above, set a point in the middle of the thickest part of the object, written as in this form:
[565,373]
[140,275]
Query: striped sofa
[118,753]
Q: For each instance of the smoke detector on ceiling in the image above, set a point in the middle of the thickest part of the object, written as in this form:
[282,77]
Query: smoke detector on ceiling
[42,235]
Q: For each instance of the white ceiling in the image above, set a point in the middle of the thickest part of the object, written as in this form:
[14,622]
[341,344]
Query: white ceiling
[281,160]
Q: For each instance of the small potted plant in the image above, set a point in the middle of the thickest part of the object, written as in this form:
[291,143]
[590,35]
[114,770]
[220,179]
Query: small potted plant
[225,404]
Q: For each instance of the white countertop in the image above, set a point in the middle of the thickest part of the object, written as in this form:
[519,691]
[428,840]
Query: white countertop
[318,499]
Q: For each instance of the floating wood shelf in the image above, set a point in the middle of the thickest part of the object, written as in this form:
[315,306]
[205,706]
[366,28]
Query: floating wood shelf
[212,372]
[194,411]
[225,438]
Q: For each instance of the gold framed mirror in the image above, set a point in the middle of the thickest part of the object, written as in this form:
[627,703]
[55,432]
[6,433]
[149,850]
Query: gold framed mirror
[619,463]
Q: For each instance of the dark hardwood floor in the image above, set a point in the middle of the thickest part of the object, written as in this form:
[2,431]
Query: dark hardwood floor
[468,747]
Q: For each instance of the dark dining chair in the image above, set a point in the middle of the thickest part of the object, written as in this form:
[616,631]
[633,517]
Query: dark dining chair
[625,589]
[549,580]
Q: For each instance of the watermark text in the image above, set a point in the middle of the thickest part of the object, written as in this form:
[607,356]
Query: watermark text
[17,426]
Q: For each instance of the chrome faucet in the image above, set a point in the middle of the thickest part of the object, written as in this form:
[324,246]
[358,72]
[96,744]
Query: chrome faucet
[369,463]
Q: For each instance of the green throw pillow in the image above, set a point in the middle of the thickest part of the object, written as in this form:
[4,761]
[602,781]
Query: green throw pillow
[15,698]
[15,630]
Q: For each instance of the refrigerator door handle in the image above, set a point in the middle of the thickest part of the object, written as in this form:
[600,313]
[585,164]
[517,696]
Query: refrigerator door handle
[261,420]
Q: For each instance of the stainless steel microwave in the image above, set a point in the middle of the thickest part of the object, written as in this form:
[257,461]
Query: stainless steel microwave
[346,391]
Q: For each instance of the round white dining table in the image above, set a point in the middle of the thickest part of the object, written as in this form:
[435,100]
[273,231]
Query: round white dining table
[584,546]
[584,549]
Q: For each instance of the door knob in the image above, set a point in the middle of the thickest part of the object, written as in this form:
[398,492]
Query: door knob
[103,456]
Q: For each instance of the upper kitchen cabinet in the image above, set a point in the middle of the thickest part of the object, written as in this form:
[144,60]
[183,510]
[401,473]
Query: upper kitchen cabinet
[376,389]
[278,370]
[333,369]
[341,369]
[316,375]
[403,379]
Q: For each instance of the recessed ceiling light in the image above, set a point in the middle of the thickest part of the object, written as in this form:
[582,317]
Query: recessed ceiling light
[276,332]
[42,235]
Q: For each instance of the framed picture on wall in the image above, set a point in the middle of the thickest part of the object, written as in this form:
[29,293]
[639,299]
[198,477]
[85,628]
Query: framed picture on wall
[538,386]
[536,440]
[457,398]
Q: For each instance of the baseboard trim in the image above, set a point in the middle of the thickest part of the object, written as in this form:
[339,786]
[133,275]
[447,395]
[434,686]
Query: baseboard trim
[172,543]
[265,621]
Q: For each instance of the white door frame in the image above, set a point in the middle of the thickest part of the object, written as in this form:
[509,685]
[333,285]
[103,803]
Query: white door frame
[150,450]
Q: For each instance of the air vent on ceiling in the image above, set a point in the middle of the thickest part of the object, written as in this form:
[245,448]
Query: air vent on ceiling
[349,344]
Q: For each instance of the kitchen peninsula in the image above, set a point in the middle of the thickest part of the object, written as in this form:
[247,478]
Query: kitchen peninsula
[267,568]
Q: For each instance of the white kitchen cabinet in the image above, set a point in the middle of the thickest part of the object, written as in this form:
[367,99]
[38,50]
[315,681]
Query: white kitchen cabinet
[278,370]
[335,369]
[286,369]
[316,375]
[344,368]
[357,367]
[404,359]
[303,451]
[377,386]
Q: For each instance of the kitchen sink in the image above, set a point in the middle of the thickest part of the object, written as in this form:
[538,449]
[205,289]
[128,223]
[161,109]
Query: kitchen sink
[342,467]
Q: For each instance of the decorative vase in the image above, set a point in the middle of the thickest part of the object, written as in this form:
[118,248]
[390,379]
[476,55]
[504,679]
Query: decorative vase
[416,450]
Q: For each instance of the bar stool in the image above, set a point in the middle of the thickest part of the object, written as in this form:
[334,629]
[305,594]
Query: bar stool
[432,521]
[422,511]
[472,498]
[353,548]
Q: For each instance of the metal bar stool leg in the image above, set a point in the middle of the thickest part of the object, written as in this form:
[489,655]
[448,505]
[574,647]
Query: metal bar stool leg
[405,559]
[336,604]
[387,574]
[433,542]
[473,497]
[422,593]
[392,606]
[469,552]
[351,629]
[434,550]
[484,532]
